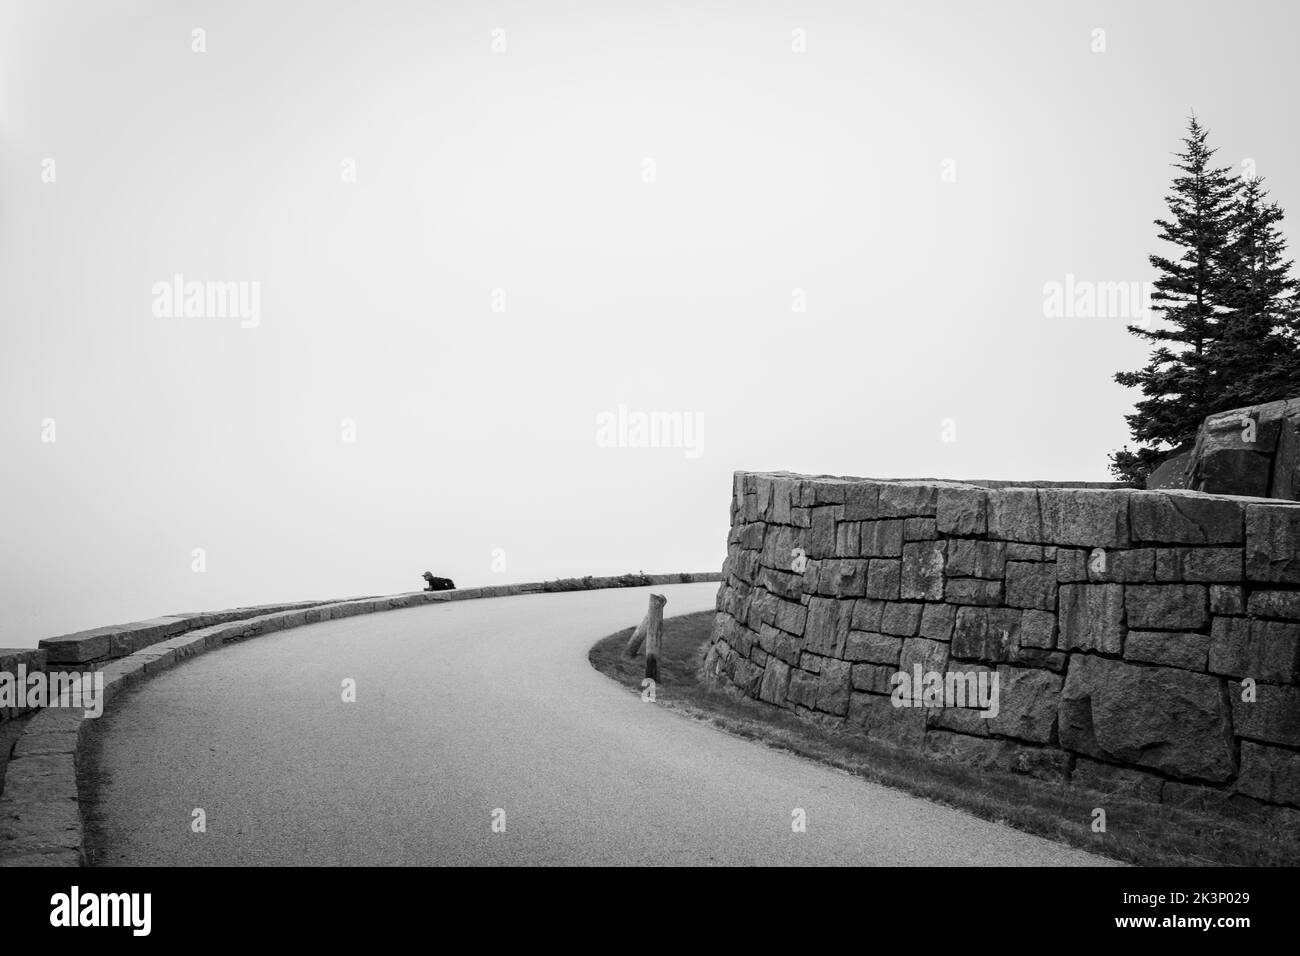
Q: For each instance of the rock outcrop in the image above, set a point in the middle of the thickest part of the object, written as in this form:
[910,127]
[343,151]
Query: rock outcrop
[1252,451]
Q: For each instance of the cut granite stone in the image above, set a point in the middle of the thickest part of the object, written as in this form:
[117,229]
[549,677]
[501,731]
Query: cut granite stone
[1162,718]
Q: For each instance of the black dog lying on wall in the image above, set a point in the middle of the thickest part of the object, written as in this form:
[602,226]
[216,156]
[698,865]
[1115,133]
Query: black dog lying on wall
[438,584]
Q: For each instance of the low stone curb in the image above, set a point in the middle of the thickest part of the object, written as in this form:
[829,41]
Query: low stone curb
[40,808]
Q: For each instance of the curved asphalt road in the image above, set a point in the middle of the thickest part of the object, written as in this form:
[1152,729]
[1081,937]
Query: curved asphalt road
[463,708]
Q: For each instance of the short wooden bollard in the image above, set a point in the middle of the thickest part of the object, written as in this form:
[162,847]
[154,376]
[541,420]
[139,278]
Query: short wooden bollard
[654,632]
[656,609]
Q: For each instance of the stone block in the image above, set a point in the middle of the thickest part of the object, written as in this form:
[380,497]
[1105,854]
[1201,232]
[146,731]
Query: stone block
[973,591]
[901,619]
[1161,718]
[1273,543]
[1270,774]
[1160,517]
[884,577]
[1013,515]
[937,621]
[1184,649]
[922,571]
[1273,716]
[971,558]
[908,500]
[1031,585]
[881,539]
[1263,650]
[1085,517]
[1092,617]
[1199,564]
[962,511]
[1170,606]
[869,647]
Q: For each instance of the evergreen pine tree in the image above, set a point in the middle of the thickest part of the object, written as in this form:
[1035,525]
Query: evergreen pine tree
[1179,382]
[1257,354]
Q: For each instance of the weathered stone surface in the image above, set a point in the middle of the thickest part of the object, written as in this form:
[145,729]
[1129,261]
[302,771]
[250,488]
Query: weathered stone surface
[1163,718]
[973,591]
[884,577]
[1175,472]
[1169,606]
[1233,454]
[867,615]
[827,627]
[1013,515]
[803,689]
[1027,704]
[843,579]
[985,634]
[747,676]
[1264,650]
[1227,599]
[860,501]
[922,574]
[1031,585]
[972,558]
[819,540]
[1038,629]
[881,539]
[1084,517]
[873,648]
[1134,566]
[920,529]
[1120,622]
[1273,543]
[790,617]
[1184,649]
[776,679]
[848,539]
[908,500]
[1199,564]
[79,648]
[1027,552]
[931,655]
[873,677]
[779,644]
[1279,604]
[1272,717]
[937,621]
[1092,617]
[833,686]
[902,619]
[1270,773]
[1162,517]
[962,511]
[1071,566]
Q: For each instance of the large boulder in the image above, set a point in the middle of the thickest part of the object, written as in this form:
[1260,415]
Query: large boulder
[1170,720]
[1252,451]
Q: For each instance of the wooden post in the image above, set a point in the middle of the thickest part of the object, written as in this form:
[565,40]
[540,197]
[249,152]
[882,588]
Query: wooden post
[634,642]
[654,633]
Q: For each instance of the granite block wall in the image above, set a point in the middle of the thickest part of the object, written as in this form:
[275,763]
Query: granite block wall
[1143,642]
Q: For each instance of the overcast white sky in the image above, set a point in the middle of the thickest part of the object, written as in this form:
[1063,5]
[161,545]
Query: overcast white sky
[525,170]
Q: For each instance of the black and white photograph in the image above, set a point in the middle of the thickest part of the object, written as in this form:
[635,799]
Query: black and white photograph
[533,437]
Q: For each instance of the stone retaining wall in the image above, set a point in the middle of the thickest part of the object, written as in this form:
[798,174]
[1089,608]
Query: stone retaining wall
[1128,629]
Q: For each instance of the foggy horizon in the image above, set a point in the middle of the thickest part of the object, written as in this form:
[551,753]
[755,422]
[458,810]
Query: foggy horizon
[446,254]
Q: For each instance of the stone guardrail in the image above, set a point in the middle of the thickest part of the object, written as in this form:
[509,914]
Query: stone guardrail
[1144,642]
[40,806]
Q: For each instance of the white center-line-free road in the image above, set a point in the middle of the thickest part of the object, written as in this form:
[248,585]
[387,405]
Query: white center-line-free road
[465,709]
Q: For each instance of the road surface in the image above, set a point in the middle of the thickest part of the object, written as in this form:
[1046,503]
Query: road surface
[465,710]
